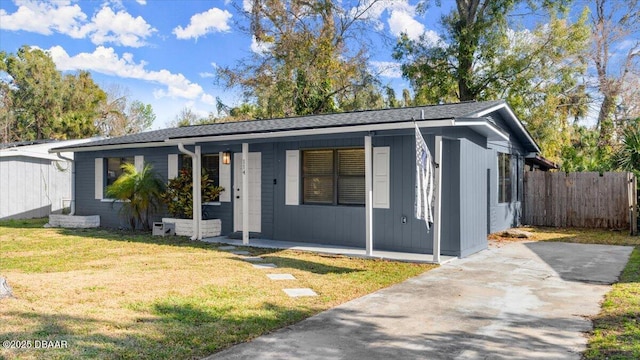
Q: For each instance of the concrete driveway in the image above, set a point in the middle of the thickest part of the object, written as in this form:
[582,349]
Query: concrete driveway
[527,300]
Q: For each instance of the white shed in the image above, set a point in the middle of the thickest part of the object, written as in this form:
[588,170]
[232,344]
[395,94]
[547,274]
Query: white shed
[33,182]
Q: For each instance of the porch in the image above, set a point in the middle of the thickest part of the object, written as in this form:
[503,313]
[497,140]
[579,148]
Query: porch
[331,249]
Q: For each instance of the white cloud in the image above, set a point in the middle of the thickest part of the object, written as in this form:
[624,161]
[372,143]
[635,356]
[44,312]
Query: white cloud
[45,18]
[208,99]
[247,5]
[119,28]
[212,20]
[402,21]
[387,69]
[142,2]
[260,47]
[105,61]
[401,16]
[60,16]
[207,74]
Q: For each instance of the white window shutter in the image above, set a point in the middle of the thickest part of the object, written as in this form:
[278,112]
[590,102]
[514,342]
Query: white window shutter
[172,166]
[138,161]
[225,180]
[292,177]
[381,178]
[99,178]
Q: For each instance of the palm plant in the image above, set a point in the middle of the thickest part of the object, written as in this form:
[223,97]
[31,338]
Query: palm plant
[139,192]
[628,158]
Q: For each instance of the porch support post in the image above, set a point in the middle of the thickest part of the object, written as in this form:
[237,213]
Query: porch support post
[197,199]
[245,193]
[368,176]
[437,201]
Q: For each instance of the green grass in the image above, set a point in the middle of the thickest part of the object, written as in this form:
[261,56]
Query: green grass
[616,332]
[616,329]
[115,295]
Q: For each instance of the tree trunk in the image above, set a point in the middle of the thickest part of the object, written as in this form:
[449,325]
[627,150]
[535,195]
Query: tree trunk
[605,121]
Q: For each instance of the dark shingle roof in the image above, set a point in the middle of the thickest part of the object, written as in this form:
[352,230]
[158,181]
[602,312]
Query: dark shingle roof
[433,112]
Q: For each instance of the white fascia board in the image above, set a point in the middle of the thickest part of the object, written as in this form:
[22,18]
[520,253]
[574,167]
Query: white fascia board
[320,131]
[29,154]
[513,116]
[489,110]
[111,147]
[485,127]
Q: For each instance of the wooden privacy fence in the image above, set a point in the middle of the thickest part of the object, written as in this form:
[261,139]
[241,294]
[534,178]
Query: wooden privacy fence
[584,199]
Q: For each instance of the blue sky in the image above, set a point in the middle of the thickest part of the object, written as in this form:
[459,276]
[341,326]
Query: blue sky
[165,52]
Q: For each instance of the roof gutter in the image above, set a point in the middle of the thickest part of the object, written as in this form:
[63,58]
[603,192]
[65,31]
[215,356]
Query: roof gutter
[315,131]
[108,147]
[473,121]
[197,193]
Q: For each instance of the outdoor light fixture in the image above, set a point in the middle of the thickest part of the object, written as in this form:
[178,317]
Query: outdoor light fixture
[226,158]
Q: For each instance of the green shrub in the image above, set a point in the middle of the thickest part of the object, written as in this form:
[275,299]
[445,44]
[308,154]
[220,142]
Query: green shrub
[179,193]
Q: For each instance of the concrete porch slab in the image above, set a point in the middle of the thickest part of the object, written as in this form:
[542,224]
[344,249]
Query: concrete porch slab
[332,249]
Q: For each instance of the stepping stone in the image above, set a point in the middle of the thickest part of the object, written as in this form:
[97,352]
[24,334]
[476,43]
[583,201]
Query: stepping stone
[227,247]
[300,292]
[252,258]
[240,252]
[281,277]
[265,266]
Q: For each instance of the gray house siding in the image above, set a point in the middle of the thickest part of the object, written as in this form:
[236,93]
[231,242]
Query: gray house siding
[86,204]
[336,225]
[473,197]
[463,211]
[344,225]
[505,215]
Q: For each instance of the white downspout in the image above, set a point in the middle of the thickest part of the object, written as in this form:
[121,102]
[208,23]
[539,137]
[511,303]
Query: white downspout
[73,183]
[195,161]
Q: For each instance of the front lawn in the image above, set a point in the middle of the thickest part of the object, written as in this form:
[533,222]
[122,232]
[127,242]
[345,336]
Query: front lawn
[115,295]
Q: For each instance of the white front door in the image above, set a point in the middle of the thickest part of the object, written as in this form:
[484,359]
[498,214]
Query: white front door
[255,191]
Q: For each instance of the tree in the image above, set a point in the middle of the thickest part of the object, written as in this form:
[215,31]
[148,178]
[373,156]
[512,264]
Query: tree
[121,116]
[311,61]
[467,61]
[616,28]
[81,98]
[186,117]
[37,102]
[481,58]
[140,194]
[547,91]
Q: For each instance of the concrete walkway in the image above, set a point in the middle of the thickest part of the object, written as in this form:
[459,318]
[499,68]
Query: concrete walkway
[513,301]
